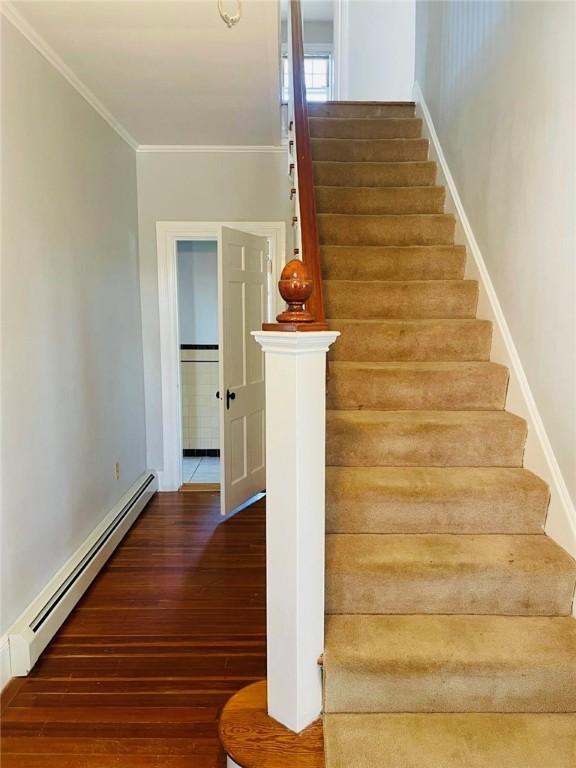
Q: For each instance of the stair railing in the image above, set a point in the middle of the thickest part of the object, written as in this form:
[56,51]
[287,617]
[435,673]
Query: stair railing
[305,225]
[295,350]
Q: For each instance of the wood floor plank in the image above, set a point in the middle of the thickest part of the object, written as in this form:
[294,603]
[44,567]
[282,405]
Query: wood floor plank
[172,627]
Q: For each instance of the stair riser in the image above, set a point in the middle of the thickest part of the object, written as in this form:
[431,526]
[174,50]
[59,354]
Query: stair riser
[424,663]
[423,444]
[442,741]
[419,174]
[391,200]
[417,341]
[393,263]
[362,151]
[365,128]
[338,229]
[471,689]
[435,574]
[479,593]
[396,389]
[434,501]
[372,301]
[357,109]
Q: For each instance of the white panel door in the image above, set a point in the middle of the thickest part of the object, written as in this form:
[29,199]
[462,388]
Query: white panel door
[243,281]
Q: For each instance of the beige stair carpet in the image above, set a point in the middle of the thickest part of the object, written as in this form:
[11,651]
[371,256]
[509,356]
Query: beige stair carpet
[449,636]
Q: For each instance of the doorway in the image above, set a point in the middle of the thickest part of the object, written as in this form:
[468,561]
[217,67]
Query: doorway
[250,257]
[197,265]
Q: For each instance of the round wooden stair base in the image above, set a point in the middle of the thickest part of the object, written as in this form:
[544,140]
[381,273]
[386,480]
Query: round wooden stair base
[252,739]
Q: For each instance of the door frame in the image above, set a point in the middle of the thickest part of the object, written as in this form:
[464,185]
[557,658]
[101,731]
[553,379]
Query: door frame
[168,233]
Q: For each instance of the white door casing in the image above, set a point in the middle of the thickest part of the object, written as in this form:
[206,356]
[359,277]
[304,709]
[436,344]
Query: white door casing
[243,261]
[168,233]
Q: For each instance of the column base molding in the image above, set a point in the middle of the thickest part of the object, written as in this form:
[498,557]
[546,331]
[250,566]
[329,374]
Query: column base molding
[252,739]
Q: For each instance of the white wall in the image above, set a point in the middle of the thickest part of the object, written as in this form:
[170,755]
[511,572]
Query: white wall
[198,292]
[72,385]
[375,49]
[499,80]
[196,186]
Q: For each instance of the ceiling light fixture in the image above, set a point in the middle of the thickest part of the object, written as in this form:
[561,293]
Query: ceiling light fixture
[229,20]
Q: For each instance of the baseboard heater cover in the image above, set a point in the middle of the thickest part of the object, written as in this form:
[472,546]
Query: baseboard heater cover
[44,617]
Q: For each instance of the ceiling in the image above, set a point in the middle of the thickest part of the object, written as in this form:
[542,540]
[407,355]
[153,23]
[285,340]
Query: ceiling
[171,73]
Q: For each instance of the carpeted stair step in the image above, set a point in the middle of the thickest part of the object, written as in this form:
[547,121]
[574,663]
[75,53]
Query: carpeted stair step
[369,150]
[393,262]
[417,386]
[455,740]
[361,109]
[416,340]
[334,174]
[374,299]
[384,200]
[410,229]
[365,127]
[450,664]
[424,438]
[448,574]
[454,500]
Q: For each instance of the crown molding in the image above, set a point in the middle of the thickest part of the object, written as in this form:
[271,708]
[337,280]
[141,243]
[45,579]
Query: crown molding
[8,10]
[213,148]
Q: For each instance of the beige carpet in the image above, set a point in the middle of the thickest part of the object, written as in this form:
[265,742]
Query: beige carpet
[449,636]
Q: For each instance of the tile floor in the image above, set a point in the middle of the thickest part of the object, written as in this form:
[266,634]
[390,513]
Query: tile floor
[201,470]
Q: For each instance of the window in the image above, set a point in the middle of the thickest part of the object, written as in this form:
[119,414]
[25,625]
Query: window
[317,70]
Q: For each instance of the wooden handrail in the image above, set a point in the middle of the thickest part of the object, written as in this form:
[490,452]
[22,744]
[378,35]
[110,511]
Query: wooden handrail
[308,222]
[313,318]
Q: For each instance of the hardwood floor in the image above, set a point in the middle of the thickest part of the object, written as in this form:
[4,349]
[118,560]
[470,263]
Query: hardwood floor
[171,628]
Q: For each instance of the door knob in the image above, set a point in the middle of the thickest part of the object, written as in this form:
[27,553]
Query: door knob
[229,396]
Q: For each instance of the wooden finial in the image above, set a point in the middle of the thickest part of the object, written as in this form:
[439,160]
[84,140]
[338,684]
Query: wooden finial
[295,286]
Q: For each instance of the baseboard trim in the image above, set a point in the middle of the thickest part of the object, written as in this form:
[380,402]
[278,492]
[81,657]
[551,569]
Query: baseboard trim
[539,456]
[32,632]
[5,672]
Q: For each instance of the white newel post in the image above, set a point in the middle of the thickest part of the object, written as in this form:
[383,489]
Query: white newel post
[295,468]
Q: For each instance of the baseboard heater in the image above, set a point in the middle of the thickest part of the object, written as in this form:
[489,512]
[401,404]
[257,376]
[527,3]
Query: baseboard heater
[44,617]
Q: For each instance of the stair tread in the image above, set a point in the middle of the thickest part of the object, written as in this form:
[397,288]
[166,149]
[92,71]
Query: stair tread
[450,663]
[384,118]
[448,573]
[424,438]
[374,417]
[408,339]
[364,127]
[467,321]
[393,262]
[366,142]
[435,500]
[397,551]
[404,740]
[417,386]
[386,228]
[407,365]
[370,150]
[403,217]
[333,174]
[449,282]
[401,298]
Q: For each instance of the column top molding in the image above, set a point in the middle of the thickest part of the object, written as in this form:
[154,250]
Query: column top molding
[296,343]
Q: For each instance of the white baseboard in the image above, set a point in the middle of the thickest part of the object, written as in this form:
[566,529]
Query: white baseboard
[32,632]
[538,456]
[5,673]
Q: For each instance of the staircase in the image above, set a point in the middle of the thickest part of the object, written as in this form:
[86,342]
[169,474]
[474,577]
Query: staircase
[449,640]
